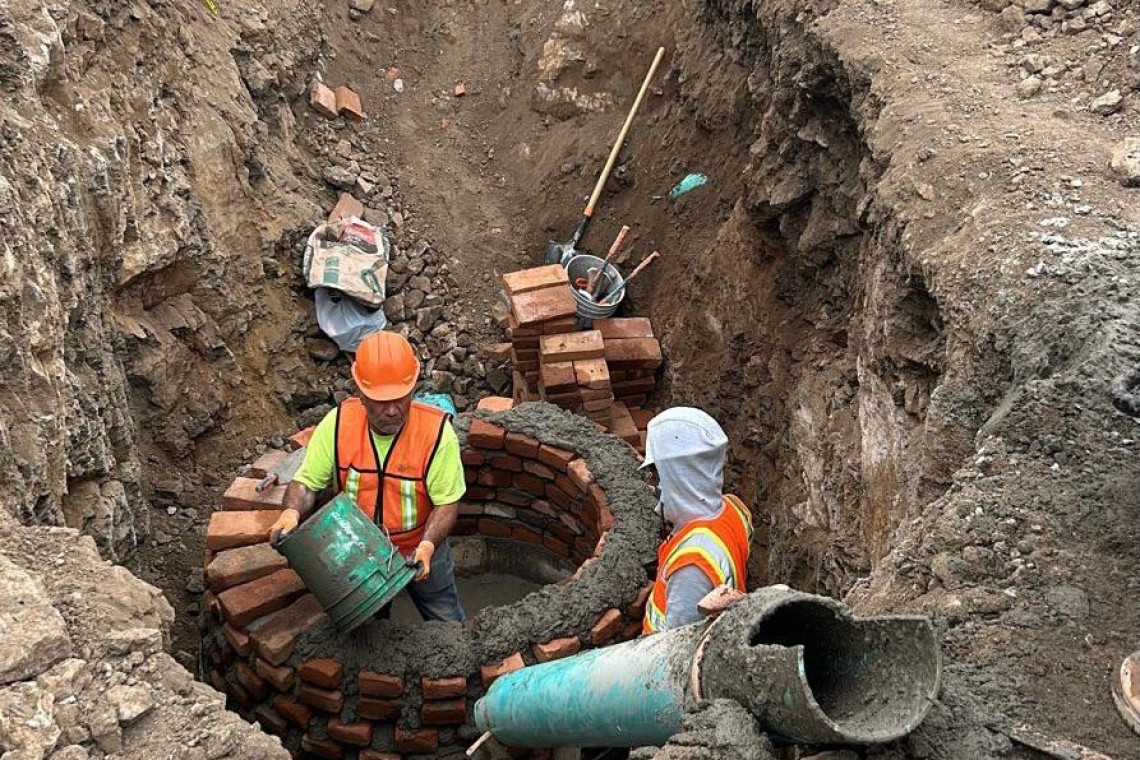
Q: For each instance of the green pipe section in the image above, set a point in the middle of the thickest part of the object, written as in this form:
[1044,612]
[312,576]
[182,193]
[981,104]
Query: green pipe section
[808,670]
[627,695]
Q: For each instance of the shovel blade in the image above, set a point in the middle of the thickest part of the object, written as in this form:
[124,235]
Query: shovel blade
[557,253]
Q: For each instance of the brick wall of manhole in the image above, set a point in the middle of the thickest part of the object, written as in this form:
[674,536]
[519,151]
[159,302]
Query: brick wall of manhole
[538,477]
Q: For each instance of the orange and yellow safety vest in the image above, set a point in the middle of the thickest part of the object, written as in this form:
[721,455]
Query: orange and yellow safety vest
[402,504]
[718,546]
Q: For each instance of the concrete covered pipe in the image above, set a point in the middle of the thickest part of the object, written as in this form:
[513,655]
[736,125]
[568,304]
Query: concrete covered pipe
[803,665]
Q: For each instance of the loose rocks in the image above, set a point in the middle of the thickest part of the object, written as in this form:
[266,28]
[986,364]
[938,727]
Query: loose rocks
[1126,162]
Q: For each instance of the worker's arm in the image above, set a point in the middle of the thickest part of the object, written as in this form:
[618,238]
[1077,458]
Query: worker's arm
[315,473]
[686,587]
[446,486]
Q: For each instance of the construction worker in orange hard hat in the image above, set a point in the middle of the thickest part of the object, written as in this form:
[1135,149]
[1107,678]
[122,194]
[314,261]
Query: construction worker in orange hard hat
[399,460]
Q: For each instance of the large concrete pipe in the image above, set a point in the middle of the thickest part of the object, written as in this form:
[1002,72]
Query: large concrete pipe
[803,665]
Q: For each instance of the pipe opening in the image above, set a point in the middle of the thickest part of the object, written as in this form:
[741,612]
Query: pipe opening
[871,678]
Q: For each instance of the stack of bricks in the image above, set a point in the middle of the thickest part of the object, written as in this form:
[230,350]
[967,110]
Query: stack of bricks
[541,303]
[573,374]
[256,608]
[633,356]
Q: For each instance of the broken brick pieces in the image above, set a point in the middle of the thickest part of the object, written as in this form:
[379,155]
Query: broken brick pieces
[335,103]
[348,104]
[345,207]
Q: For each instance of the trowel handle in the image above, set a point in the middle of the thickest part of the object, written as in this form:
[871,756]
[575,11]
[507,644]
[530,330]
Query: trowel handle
[597,273]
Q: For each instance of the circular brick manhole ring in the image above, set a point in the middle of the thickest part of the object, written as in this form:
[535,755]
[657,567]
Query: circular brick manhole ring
[548,482]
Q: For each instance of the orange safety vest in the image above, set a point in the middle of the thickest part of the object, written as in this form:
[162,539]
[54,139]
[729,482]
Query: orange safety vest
[718,546]
[402,505]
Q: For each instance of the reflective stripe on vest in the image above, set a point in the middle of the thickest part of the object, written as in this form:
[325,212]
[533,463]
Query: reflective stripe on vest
[399,500]
[719,546]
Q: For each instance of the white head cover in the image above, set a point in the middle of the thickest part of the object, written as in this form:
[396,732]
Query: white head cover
[689,448]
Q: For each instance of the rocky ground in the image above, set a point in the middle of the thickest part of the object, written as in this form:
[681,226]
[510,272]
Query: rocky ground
[905,290]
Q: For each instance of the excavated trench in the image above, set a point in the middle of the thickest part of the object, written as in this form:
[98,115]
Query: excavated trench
[852,374]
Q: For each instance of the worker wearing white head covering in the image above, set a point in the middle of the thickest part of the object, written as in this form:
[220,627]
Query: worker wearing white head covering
[709,542]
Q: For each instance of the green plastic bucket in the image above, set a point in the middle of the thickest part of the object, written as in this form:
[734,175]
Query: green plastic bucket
[347,561]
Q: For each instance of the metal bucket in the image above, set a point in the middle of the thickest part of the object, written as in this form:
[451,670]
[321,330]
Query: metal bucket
[347,562]
[588,309]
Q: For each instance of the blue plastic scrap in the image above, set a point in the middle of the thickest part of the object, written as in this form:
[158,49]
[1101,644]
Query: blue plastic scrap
[691,182]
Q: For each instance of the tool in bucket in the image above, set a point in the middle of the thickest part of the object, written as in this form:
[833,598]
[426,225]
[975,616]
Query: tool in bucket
[560,253]
[620,285]
[347,561]
[595,274]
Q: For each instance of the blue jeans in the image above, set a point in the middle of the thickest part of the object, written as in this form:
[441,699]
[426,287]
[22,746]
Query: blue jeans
[436,598]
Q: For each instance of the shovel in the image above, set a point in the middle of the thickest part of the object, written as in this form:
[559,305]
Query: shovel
[559,253]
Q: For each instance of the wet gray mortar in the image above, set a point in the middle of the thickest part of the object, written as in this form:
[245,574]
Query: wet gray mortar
[438,649]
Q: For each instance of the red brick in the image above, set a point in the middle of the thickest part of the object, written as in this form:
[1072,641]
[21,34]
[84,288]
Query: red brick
[472,457]
[560,325]
[560,497]
[301,438]
[628,327]
[243,604]
[641,417]
[573,524]
[358,734]
[554,457]
[633,353]
[490,673]
[444,688]
[556,377]
[636,609]
[579,472]
[325,748]
[627,388]
[484,435]
[544,507]
[292,710]
[326,673]
[521,533]
[266,462]
[530,483]
[446,712]
[561,548]
[543,305]
[605,518]
[241,565]
[380,684]
[592,374]
[514,497]
[600,546]
[385,710]
[253,683]
[239,640]
[239,693]
[242,494]
[521,445]
[568,484]
[323,100]
[348,104]
[230,529]
[346,206]
[539,469]
[282,678]
[481,493]
[271,722]
[326,700]
[536,278]
[495,478]
[495,404]
[562,534]
[557,649]
[606,628]
[597,405]
[423,741]
[373,754]
[508,462]
[275,636]
[571,347]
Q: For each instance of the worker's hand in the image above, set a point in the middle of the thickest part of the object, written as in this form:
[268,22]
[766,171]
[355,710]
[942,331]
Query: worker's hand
[424,552]
[286,523]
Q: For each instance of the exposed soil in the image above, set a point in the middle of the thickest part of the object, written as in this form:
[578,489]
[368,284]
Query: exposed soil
[906,290]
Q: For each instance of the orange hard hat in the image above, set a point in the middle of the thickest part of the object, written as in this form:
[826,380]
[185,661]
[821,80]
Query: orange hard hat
[386,367]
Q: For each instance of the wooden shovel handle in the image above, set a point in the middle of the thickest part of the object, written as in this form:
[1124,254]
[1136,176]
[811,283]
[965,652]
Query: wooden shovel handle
[648,260]
[589,212]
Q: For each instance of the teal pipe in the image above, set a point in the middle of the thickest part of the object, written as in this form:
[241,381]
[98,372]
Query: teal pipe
[803,665]
[627,695]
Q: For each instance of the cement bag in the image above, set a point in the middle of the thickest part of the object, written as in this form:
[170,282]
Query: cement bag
[346,321]
[350,256]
